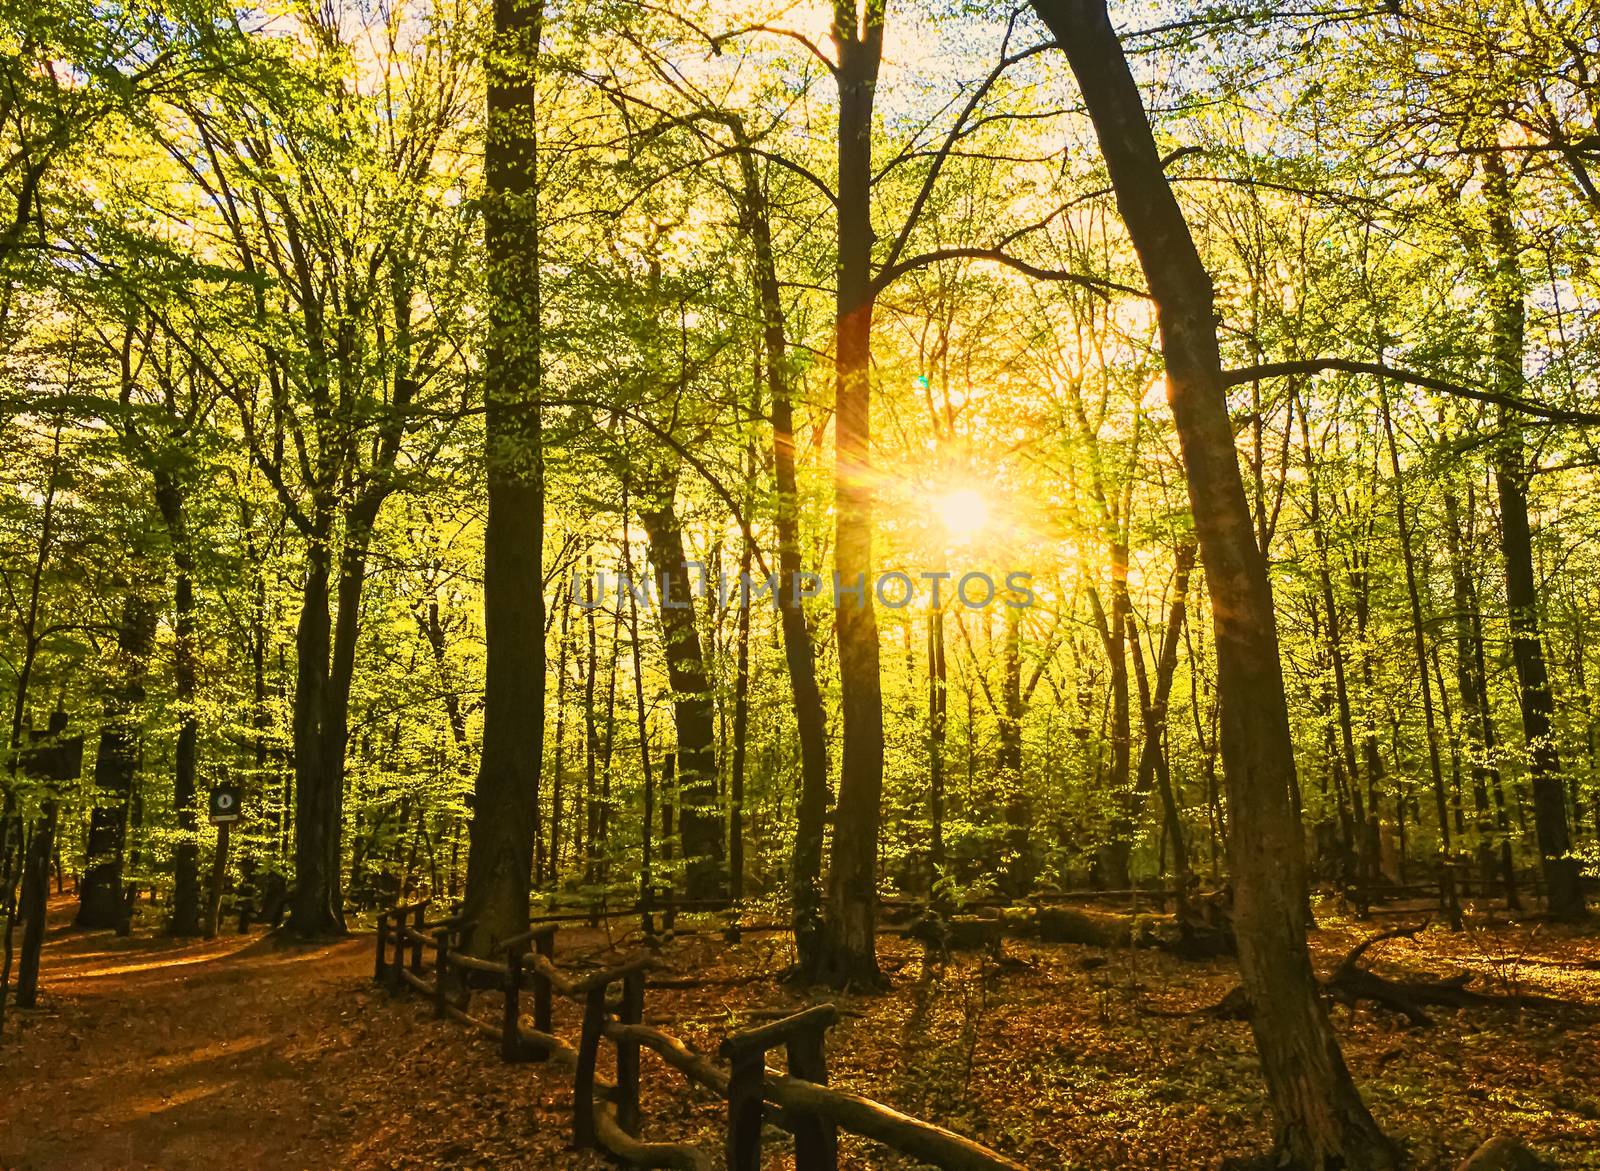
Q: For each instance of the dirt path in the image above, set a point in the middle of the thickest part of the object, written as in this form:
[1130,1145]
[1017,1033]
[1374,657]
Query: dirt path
[147,1052]
[244,1052]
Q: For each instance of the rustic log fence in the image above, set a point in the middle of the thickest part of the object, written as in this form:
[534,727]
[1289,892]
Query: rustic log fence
[607,1115]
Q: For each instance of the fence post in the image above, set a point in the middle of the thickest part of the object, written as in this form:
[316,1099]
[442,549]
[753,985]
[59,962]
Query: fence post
[746,1091]
[397,982]
[441,968]
[510,1035]
[383,942]
[816,1142]
[545,944]
[594,1016]
[628,1055]
[416,944]
[803,1035]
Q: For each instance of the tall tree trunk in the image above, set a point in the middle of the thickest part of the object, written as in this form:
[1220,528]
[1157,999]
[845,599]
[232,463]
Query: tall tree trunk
[1152,753]
[312,913]
[505,813]
[592,809]
[14,839]
[1346,776]
[849,952]
[700,823]
[186,857]
[938,710]
[334,719]
[647,882]
[1020,866]
[1472,681]
[741,729]
[1563,891]
[799,653]
[1447,875]
[1113,627]
[100,902]
[551,871]
[1321,1121]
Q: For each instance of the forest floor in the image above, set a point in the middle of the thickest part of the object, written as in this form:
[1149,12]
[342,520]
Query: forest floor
[247,1052]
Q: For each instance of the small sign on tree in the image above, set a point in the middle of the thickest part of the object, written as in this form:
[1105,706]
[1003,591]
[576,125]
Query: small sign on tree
[225,804]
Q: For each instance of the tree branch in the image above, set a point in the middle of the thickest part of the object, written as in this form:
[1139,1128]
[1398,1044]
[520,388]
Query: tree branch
[1310,366]
[1101,287]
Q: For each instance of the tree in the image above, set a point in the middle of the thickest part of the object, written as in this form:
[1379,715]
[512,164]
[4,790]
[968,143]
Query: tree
[1321,1120]
[506,797]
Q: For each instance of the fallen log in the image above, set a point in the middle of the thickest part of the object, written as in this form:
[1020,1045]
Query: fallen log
[1350,983]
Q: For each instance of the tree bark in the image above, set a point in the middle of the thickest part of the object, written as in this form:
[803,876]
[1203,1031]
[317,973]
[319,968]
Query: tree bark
[312,913]
[1152,753]
[700,824]
[1564,893]
[185,919]
[505,812]
[100,902]
[799,653]
[741,731]
[1321,1121]
[849,954]
[1447,875]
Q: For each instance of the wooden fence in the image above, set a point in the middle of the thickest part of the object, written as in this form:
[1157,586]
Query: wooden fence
[607,1115]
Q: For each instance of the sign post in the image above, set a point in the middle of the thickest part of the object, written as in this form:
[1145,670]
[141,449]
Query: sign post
[225,804]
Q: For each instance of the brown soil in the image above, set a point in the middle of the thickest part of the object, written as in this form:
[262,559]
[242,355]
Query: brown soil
[250,1052]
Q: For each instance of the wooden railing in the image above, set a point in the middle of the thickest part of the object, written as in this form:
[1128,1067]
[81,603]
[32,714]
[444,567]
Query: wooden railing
[607,1115]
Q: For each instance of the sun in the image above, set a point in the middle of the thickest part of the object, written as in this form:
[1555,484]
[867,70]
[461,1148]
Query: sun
[963,512]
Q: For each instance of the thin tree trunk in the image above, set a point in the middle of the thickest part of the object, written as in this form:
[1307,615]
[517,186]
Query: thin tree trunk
[741,729]
[1472,680]
[1447,875]
[100,902]
[700,823]
[938,709]
[799,653]
[543,872]
[1152,753]
[185,919]
[1344,763]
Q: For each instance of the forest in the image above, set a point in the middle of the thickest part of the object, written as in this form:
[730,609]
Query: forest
[956,512]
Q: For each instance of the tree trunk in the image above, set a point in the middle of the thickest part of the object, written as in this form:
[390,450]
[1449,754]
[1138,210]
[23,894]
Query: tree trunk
[1564,894]
[741,732]
[551,870]
[1321,1121]
[938,710]
[1344,761]
[1020,865]
[219,874]
[100,902]
[312,912]
[1472,680]
[1447,880]
[1152,753]
[849,951]
[799,653]
[699,819]
[505,812]
[185,919]
[1113,628]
